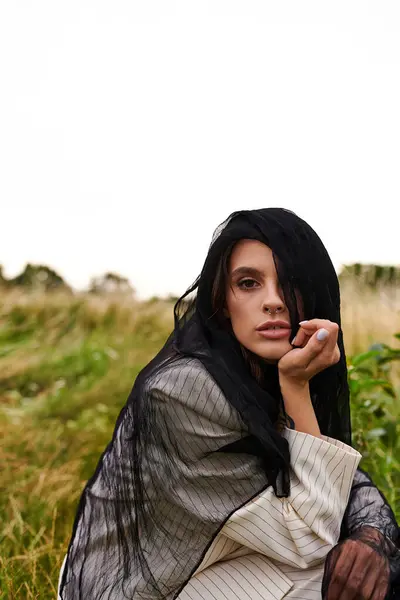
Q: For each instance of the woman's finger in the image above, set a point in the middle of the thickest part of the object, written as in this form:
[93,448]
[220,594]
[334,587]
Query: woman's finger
[376,582]
[329,347]
[312,350]
[357,584]
[366,580]
[314,324]
[372,588]
[308,328]
[343,563]
[301,338]
[303,335]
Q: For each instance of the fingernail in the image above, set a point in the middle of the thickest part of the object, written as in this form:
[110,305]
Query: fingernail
[293,340]
[322,334]
[301,322]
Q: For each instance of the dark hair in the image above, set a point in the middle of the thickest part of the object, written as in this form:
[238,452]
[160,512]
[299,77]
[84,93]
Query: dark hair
[126,494]
[303,267]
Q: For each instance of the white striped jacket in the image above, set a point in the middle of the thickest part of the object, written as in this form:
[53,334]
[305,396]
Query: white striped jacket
[271,548]
[274,548]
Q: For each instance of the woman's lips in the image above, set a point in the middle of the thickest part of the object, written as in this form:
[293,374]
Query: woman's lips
[274,334]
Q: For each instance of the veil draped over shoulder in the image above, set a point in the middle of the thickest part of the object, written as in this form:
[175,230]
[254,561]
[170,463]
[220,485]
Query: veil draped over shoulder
[155,502]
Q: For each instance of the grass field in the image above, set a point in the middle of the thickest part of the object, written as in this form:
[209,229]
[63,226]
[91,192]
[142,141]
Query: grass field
[67,365]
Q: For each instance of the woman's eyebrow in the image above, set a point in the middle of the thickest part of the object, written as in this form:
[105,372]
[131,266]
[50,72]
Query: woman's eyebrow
[247,271]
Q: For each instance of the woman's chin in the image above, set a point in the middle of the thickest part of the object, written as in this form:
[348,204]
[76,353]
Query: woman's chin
[275,352]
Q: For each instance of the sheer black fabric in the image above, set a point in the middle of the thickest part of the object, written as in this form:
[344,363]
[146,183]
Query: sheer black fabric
[369,521]
[155,502]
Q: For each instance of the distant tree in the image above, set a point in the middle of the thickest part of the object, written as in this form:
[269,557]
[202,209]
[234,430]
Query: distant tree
[3,280]
[371,275]
[110,283]
[39,277]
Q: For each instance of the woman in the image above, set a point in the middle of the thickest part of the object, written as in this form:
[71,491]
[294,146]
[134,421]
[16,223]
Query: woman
[230,473]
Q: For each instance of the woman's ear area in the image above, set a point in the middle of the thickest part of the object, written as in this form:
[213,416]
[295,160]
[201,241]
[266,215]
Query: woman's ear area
[226,312]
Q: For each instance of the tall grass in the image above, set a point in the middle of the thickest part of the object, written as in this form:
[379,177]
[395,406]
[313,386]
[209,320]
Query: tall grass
[369,315]
[67,365]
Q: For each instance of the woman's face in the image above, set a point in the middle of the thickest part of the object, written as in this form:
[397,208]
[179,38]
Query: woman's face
[253,288]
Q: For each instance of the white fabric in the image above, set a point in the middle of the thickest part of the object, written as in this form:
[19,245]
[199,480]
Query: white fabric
[275,548]
[271,547]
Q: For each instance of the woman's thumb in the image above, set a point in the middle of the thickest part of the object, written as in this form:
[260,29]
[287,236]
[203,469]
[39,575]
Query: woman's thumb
[315,345]
[322,334]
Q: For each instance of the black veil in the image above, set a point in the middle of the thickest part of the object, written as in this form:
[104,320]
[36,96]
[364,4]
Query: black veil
[121,533]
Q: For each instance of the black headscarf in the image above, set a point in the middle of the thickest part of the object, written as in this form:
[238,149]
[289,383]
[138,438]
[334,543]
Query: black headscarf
[302,264]
[124,495]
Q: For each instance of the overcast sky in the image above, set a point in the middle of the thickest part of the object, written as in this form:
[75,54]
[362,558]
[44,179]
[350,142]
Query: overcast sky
[130,130]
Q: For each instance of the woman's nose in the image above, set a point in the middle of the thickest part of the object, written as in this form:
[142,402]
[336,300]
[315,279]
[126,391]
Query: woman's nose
[273,301]
[273,308]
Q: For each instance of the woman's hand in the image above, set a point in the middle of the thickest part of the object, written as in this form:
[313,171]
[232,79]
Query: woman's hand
[356,568]
[299,365]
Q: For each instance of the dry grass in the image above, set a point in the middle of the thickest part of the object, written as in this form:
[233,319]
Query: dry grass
[67,365]
[370,317]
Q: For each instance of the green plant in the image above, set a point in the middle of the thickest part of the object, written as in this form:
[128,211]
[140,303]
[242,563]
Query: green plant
[375,407]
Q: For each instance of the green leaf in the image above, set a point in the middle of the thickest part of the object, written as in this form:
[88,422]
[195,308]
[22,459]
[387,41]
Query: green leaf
[386,359]
[354,387]
[389,390]
[363,370]
[370,383]
[359,358]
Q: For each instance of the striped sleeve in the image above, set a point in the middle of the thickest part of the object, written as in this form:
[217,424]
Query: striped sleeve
[301,529]
[221,548]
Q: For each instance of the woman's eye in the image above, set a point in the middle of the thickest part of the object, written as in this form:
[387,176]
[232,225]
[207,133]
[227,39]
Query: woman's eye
[242,283]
